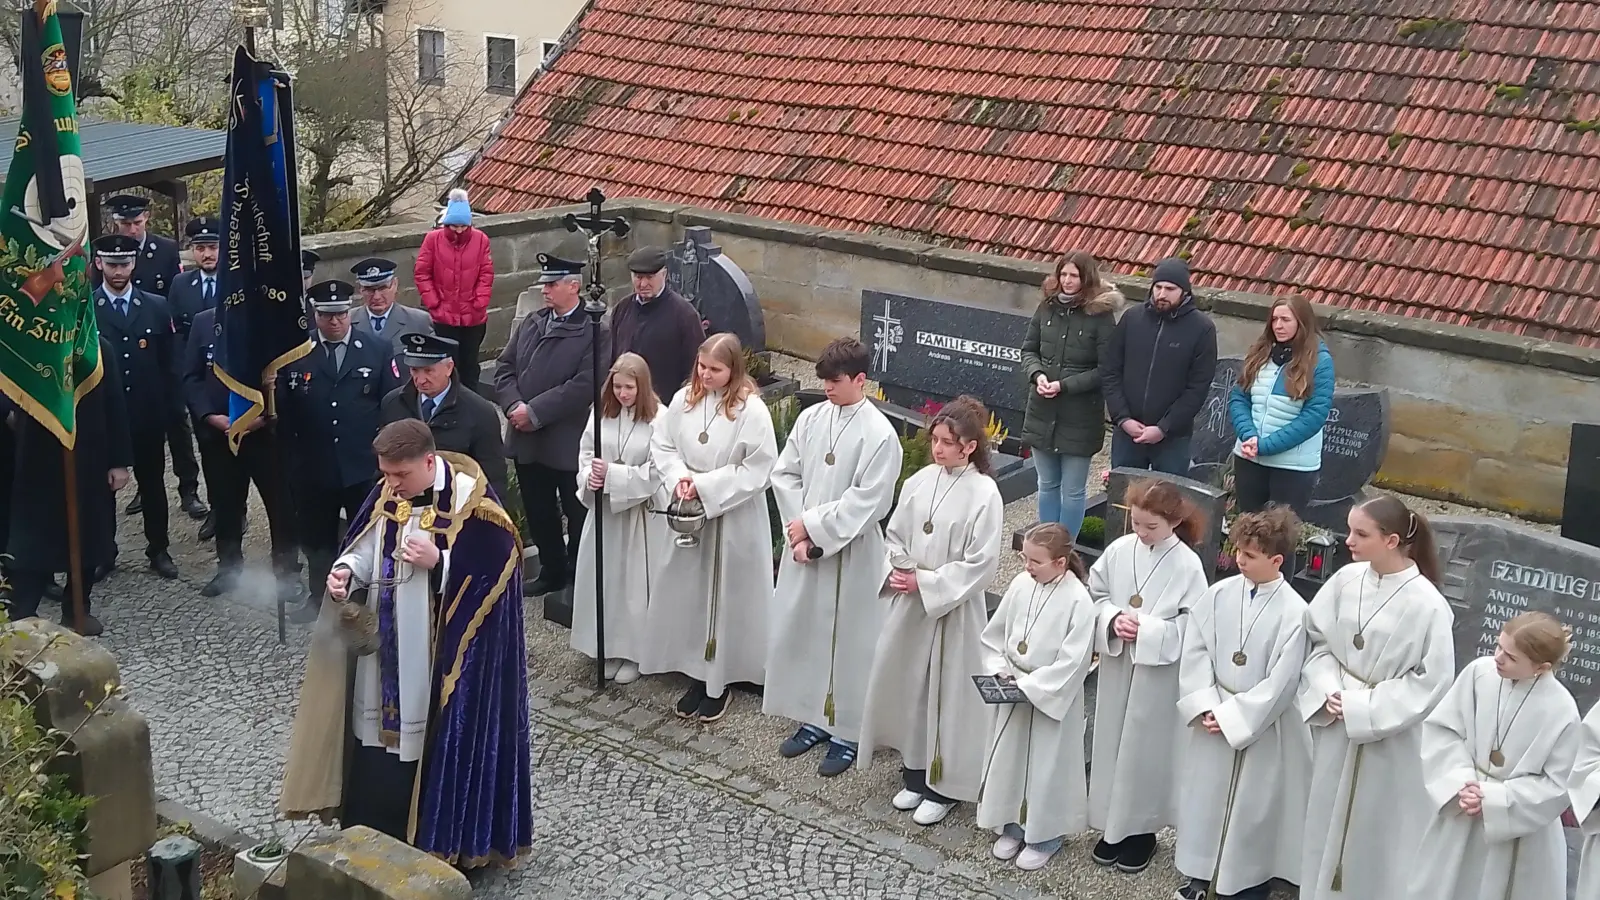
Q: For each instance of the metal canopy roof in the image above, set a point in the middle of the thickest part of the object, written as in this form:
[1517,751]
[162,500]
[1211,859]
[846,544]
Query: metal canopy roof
[118,155]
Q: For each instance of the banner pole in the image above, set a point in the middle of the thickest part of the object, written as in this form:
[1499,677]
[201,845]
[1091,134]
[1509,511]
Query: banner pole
[75,573]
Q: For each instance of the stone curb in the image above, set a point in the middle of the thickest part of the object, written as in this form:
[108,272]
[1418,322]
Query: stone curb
[207,830]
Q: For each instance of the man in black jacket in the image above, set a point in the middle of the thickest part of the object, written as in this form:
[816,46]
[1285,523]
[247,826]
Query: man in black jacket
[461,420]
[1156,372]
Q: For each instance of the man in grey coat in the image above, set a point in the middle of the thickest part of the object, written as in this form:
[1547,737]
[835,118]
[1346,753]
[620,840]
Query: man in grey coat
[545,384]
[379,313]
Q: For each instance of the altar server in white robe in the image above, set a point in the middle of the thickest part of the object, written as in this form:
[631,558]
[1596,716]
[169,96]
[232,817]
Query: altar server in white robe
[1143,587]
[1247,761]
[633,537]
[710,603]
[1497,757]
[1381,658]
[1034,790]
[944,542]
[834,484]
[1584,796]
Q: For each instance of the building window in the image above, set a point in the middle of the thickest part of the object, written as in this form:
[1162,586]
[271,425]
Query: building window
[336,18]
[430,56]
[547,49]
[502,58]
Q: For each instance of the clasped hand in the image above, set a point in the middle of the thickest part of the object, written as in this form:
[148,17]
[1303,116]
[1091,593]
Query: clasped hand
[1335,705]
[903,581]
[1249,449]
[1126,626]
[597,474]
[686,489]
[1470,799]
[1045,387]
[518,417]
[1208,721]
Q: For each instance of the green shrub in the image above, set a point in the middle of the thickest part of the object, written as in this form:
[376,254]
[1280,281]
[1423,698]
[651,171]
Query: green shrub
[1092,532]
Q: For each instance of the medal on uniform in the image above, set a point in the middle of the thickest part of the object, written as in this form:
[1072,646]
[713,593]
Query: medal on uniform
[927,527]
[1359,641]
[1022,647]
[829,458]
[1496,758]
[704,437]
[1239,658]
[1136,601]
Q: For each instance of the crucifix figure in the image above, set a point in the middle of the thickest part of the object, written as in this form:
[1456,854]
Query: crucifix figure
[594,226]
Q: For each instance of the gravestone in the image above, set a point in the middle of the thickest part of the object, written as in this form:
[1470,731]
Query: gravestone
[932,350]
[717,287]
[1210,500]
[1580,509]
[1495,570]
[1354,441]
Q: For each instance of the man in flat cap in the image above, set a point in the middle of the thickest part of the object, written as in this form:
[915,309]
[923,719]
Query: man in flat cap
[544,381]
[461,420]
[157,264]
[657,323]
[138,326]
[330,405]
[228,475]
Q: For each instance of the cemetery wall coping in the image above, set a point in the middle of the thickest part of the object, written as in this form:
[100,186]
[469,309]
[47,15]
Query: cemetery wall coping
[1457,339]
[362,864]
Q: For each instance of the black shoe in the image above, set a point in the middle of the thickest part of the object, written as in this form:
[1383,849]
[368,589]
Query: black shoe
[689,703]
[801,742]
[1135,853]
[1105,853]
[1194,890]
[221,583]
[1261,891]
[190,503]
[101,571]
[545,584]
[840,758]
[208,528]
[712,708]
[54,591]
[305,613]
[91,625]
[163,565]
[135,507]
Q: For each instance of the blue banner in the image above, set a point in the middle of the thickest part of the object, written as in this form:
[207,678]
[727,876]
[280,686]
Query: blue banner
[262,313]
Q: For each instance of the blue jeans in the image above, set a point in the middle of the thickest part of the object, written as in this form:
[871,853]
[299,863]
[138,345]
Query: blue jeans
[1014,832]
[1062,481]
[1171,455]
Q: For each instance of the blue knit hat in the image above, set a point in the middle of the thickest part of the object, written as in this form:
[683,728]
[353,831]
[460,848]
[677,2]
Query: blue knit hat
[458,211]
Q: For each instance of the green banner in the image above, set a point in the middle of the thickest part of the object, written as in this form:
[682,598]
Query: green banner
[49,344]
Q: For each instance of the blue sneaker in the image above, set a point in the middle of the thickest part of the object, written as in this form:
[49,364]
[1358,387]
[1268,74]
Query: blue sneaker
[840,757]
[801,742]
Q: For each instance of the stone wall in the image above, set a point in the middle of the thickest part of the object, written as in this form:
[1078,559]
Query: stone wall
[1479,417]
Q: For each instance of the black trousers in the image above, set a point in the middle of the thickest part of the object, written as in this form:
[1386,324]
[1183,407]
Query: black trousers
[28,587]
[547,495]
[1255,486]
[317,515]
[377,791]
[228,479]
[150,470]
[180,440]
[916,780]
[469,339]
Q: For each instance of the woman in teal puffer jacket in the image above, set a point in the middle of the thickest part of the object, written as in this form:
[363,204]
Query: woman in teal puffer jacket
[1278,409]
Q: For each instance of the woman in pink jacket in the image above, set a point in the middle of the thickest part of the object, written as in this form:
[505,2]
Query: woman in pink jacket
[455,276]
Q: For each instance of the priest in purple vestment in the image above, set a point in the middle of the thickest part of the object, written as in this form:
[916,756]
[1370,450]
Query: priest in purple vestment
[413,718]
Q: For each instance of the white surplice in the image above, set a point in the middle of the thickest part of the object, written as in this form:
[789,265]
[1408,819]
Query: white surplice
[1388,687]
[920,697]
[826,612]
[1584,798]
[634,539]
[1516,849]
[1137,734]
[1043,636]
[413,624]
[709,605]
[1262,758]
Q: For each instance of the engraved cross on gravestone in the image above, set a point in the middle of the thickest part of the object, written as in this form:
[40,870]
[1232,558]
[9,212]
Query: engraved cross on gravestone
[716,286]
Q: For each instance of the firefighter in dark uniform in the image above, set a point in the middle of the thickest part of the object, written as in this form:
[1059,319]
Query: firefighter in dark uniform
[138,327]
[329,411]
[155,269]
[228,475]
[193,291]
[462,421]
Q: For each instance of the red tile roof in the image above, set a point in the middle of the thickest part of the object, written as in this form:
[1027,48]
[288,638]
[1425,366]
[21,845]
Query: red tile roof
[1432,158]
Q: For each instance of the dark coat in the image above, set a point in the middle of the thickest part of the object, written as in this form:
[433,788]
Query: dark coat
[667,332]
[158,265]
[38,539]
[185,300]
[1065,344]
[329,417]
[203,393]
[465,423]
[1157,368]
[548,364]
[144,345]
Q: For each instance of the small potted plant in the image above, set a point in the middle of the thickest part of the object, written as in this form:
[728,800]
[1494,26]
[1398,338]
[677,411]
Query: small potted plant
[254,866]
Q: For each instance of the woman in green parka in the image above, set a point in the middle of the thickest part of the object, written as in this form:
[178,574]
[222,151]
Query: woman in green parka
[1065,418]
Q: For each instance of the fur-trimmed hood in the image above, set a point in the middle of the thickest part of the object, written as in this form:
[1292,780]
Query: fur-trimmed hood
[1109,300]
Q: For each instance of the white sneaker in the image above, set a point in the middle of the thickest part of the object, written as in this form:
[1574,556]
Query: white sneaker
[612,665]
[1031,859]
[931,813]
[627,673]
[1007,847]
[906,801]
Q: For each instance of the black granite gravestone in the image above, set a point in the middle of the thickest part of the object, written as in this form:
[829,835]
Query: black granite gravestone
[1580,509]
[1213,427]
[1354,441]
[934,350]
[717,287]
[1210,501]
[1495,570]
